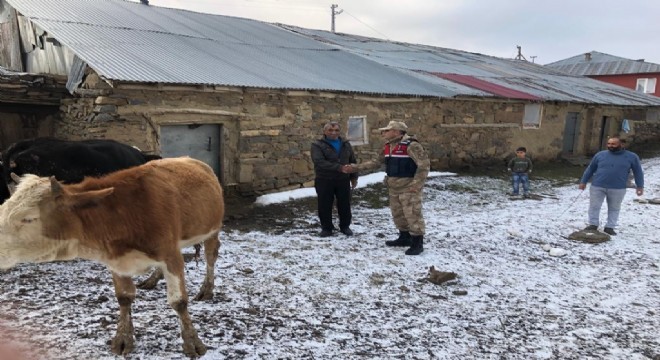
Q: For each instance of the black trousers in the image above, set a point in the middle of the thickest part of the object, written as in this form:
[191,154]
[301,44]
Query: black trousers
[326,191]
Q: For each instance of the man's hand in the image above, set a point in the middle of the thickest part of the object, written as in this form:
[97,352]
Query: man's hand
[582,186]
[348,169]
[640,191]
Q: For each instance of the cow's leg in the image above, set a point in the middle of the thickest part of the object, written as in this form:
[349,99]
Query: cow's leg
[178,299]
[123,342]
[211,248]
[152,280]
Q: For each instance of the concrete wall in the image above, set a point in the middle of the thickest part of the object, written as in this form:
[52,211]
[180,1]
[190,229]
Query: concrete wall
[267,134]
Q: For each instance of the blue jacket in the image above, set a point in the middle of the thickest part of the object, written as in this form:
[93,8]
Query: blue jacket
[610,169]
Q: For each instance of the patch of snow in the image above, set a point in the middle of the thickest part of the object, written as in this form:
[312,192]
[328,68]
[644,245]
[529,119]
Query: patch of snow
[291,294]
[363,181]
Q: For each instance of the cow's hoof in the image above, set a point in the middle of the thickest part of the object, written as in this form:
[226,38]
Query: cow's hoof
[122,344]
[152,281]
[194,348]
[204,294]
[147,284]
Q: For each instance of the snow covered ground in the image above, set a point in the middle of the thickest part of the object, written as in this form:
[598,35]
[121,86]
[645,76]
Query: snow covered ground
[288,294]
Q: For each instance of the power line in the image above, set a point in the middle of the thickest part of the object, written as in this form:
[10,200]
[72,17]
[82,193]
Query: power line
[367,25]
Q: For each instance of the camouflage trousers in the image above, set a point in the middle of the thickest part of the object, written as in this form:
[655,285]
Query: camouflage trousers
[407,212]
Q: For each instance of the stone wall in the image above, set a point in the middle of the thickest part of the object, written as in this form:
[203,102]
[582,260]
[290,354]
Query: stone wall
[28,105]
[267,133]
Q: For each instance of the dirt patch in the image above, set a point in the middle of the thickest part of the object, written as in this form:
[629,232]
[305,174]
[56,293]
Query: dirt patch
[243,215]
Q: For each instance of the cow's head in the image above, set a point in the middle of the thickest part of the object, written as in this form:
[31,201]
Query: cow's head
[38,223]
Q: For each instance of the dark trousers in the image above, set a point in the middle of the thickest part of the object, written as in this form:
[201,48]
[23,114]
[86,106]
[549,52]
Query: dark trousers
[326,191]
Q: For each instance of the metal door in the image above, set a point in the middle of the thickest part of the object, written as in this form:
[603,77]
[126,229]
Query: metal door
[570,132]
[201,142]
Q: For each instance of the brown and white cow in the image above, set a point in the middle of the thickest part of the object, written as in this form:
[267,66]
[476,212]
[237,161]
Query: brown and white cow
[130,220]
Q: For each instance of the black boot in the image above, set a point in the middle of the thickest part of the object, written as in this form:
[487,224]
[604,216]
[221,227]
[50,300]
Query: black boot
[403,240]
[417,245]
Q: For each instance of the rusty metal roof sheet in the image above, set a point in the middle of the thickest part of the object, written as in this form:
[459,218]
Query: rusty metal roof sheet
[595,63]
[499,90]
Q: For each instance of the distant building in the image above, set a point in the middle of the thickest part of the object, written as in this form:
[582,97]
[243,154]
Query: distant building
[638,75]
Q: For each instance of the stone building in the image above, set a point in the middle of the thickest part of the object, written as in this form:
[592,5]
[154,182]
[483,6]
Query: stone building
[249,97]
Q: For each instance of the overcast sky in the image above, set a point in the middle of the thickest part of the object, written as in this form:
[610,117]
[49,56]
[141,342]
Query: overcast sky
[546,30]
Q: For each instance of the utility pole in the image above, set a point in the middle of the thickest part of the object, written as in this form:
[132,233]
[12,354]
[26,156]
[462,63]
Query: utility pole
[532,57]
[520,55]
[334,12]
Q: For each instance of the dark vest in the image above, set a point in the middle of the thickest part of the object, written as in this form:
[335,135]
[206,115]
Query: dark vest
[397,161]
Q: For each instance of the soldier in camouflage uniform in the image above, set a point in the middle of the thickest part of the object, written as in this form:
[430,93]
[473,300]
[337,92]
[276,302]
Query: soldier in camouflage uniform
[407,166]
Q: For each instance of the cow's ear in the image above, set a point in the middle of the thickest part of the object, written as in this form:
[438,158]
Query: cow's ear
[15,177]
[55,187]
[89,198]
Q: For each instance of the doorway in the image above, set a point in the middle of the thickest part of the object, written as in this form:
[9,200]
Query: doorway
[605,124]
[570,133]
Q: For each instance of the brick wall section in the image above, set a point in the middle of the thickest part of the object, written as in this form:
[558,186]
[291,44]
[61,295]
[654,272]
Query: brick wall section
[267,133]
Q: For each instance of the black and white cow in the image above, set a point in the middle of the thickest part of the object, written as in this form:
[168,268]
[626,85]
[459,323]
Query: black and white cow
[69,161]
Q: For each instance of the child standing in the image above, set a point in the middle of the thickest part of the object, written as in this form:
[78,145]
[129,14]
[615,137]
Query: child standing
[520,167]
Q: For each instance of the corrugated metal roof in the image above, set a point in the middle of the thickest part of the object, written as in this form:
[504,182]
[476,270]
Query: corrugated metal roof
[595,63]
[128,41]
[517,76]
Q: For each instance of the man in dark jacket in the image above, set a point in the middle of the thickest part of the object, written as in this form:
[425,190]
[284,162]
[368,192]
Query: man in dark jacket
[331,156]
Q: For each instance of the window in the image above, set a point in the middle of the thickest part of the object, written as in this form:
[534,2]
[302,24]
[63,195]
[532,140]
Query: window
[357,130]
[646,85]
[532,117]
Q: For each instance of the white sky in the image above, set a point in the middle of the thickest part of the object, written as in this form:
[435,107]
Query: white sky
[548,30]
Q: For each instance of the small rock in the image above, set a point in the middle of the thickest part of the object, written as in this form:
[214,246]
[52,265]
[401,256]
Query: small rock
[558,252]
[460,292]
[589,236]
[515,233]
[546,247]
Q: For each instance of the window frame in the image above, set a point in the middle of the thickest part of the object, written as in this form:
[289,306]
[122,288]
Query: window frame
[646,85]
[533,116]
[355,139]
